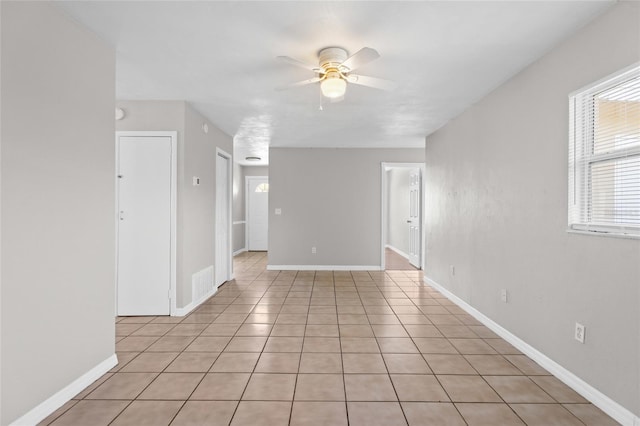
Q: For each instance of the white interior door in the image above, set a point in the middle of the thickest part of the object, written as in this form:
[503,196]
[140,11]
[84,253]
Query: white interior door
[258,213]
[223,218]
[414,221]
[144,225]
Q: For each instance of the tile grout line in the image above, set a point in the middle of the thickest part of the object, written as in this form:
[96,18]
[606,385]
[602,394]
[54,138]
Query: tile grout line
[375,288]
[255,365]
[344,382]
[304,334]
[259,356]
[385,361]
[425,360]
[167,366]
[436,376]
[388,375]
[455,404]
[212,364]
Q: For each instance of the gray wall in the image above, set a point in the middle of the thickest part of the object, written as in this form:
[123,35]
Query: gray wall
[496,208]
[239,173]
[57,102]
[197,208]
[398,182]
[196,157]
[330,199]
[256,170]
[152,115]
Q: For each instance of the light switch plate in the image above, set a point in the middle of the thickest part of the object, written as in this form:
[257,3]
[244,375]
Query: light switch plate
[278,211]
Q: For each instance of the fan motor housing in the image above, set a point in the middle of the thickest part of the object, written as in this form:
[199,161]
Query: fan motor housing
[332,56]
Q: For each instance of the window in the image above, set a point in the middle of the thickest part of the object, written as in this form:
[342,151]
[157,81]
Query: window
[604,156]
[263,187]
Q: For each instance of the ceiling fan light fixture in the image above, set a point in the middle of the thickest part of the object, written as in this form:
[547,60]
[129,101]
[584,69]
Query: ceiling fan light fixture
[336,70]
[333,86]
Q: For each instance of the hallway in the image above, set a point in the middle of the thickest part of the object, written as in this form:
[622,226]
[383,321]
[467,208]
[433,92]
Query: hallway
[322,348]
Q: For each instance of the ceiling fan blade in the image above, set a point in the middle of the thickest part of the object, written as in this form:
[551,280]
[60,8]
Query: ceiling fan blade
[300,64]
[300,83]
[376,83]
[361,57]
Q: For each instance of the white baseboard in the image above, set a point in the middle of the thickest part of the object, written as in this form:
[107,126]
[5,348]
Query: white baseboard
[237,252]
[180,312]
[324,268]
[57,400]
[597,398]
[397,250]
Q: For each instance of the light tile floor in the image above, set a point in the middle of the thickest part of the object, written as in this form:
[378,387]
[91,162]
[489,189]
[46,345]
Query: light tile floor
[393,261]
[322,348]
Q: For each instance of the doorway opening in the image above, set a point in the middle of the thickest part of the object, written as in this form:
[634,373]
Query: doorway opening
[401,233]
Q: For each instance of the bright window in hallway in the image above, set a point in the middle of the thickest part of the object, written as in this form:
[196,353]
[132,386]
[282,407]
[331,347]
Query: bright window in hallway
[263,187]
[604,155]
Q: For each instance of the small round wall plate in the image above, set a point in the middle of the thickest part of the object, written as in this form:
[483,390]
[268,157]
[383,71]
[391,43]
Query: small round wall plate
[205,127]
[119,113]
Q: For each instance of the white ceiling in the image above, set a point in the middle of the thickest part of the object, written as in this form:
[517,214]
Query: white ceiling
[220,57]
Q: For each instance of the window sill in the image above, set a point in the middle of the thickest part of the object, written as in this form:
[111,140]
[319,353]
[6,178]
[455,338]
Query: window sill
[610,234]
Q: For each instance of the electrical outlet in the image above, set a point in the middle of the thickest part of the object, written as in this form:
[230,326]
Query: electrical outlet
[278,211]
[452,270]
[313,250]
[580,331]
[504,295]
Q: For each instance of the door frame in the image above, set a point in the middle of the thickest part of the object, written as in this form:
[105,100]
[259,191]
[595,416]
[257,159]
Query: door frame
[383,211]
[173,135]
[246,208]
[230,274]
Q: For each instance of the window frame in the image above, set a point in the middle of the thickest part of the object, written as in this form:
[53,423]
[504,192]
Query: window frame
[582,157]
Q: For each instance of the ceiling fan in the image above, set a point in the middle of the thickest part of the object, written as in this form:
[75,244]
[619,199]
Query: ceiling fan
[335,69]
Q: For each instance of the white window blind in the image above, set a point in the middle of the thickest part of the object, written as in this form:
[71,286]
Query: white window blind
[604,155]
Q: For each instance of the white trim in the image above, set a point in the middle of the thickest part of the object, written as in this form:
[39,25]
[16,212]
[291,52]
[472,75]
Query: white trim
[384,166]
[583,155]
[620,75]
[384,196]
[180,312]
[174,209]
[397,250]
[589,230]
[323,268]
[423,217]
[242,250]
[229,158]
[246,208]
[239,222]
[593,395]
[58,399]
